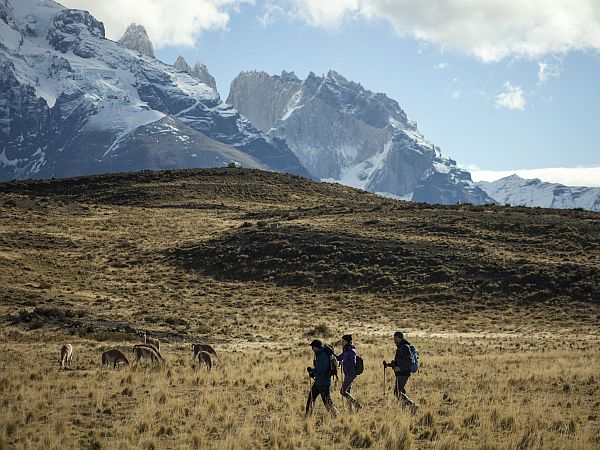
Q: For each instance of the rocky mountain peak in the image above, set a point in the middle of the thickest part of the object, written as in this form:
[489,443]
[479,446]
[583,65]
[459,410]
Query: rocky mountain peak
[72,30]
[289,76]
[200,71]
[136,38]
[344,133]
[182,65]
[333,75]
[75,103]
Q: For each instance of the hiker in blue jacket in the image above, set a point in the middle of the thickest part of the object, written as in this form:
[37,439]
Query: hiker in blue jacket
[401,365]
[348,360]
[321,372]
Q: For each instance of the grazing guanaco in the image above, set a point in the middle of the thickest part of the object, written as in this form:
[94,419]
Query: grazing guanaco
[145,351]
[66,355]
[197,348]
[114,357]
[206,359]
[151,340]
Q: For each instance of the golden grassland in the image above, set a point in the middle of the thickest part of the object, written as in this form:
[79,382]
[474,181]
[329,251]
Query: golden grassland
[474,392]
[503,304]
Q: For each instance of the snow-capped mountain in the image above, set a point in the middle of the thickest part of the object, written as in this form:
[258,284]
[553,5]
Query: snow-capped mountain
[516,191]
[343,133]
[73,102]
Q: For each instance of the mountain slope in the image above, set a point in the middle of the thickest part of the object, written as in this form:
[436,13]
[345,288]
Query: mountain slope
[344,133]
[71,100]
[516,191]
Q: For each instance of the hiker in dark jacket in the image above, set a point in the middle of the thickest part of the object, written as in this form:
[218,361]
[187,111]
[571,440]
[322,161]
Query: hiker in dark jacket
[401,365]
[348,359]
[322,375]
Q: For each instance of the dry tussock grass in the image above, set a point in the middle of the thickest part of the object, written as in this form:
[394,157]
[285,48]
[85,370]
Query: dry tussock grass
[498,392]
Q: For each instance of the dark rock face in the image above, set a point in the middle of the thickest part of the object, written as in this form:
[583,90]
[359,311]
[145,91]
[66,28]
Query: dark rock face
[5,15]
[70,30]
[449,188]
[156,89]
[123,111]
[25,126]
[342,132]
[156,146]
[402,169]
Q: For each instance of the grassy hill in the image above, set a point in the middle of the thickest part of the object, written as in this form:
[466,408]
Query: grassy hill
[504,304]
[213,245]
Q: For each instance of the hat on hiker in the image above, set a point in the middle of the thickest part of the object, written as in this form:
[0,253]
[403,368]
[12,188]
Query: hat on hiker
[400,334]
[316,343]
[347,338]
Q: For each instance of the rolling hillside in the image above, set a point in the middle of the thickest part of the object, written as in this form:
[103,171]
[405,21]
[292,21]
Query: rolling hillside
[227,251]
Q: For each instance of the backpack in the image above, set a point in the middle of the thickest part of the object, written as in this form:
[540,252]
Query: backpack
[333,362]
[360,365]
[414,356]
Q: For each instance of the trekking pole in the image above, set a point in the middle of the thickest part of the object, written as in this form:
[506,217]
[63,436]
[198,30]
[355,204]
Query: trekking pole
[384,379]
[342,370]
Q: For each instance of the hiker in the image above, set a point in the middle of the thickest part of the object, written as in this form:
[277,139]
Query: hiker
[348,360]
[321,372]
[402,368]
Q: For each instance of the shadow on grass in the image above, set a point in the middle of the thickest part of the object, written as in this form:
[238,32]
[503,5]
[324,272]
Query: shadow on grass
[299,256]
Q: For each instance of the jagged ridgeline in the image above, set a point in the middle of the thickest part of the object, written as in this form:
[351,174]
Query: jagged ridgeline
[516,191]
[342,132]
[200,71]
[75,103]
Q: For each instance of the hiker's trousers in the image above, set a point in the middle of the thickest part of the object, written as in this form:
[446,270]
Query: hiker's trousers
[400,389]
[316,390]
[347,385]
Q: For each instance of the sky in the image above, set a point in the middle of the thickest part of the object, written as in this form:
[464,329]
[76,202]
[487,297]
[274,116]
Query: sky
[500,85]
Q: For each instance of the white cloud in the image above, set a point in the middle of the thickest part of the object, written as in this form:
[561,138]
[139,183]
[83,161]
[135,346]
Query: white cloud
[325,13]
[576,176]
[488,29]
[547,70]
[168,22]
[469,167]
[441,66]
[511,98]
[270,13]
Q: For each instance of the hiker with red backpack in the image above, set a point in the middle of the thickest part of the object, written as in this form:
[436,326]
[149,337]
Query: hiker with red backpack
[350,369]
[324,365]
[404,363]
